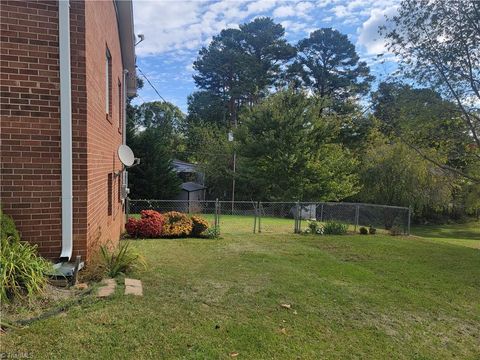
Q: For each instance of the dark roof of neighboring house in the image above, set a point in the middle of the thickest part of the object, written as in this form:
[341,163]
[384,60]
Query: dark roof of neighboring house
[124,10]
[192,186]
[182,166]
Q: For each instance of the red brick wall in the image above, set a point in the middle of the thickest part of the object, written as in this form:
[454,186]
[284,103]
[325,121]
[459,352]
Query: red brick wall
[30,176]
[103,134]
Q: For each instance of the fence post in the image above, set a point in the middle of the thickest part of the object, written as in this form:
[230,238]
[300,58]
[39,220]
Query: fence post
[260,207]
[357,216]
[295,218]
[255,217]
[409,219]
[299,218]
[127,208]
[217,215]
[321,213]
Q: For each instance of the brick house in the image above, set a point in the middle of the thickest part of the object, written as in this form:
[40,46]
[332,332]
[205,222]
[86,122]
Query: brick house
[65,71]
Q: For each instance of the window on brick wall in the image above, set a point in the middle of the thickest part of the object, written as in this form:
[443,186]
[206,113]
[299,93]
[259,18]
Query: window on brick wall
[120,107]
[108,84]
[119,189]
[110,194]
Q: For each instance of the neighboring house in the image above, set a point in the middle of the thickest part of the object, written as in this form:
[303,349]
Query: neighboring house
[192,187]
[66,69]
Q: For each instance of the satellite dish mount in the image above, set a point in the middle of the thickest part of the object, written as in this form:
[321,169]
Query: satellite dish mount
[125,154]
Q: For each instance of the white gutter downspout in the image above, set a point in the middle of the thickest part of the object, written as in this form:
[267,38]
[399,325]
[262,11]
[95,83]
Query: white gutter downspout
[66,128]
[124,130]
[124,135]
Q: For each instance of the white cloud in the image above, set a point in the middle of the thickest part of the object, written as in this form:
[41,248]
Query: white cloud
[352,10]
[340,11]
[284,11]
[325,3]
[164,24]
[294,9]
[292,26]
[304,7]
[368,35]
[182,26]
[170,26]
[260,6]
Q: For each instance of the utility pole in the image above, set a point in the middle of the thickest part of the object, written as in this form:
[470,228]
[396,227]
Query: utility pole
[230,138]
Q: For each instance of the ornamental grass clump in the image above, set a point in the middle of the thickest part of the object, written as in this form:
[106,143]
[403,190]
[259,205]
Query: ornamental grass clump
[176,224]
[121,261]
[22,270]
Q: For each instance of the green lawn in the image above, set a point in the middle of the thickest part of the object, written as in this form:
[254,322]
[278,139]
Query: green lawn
[457,234]
[352,297]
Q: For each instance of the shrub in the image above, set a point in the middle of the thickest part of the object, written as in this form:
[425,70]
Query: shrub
[335,228]
[112,262]
[372,230]
[22,270]
[177,225]
[200,225]
[395,231]
[212,232]
[7,227]
[313,227]
[363,230]
[123,260]
[132,227]
[149,226]
[151,214]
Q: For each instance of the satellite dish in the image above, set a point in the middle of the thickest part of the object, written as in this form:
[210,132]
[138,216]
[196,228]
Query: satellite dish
[125,154]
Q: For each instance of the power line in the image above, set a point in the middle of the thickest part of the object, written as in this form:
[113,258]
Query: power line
[150,83]
[140,96]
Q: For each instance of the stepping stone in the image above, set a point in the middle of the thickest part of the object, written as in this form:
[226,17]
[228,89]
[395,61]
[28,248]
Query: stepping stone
[133,287]
[108,289]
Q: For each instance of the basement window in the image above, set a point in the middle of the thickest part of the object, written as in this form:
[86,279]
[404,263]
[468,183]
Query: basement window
[108,84]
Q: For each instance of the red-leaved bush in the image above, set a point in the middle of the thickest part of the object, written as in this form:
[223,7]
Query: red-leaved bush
[132,227]
[149,226]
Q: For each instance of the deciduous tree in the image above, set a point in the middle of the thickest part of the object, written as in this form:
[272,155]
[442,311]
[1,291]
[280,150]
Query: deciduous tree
[438,44]
[286,151]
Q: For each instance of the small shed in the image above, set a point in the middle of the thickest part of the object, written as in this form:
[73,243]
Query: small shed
[192,195]
[192,191]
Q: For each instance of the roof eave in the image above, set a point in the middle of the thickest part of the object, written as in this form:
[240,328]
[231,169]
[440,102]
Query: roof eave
[127,42]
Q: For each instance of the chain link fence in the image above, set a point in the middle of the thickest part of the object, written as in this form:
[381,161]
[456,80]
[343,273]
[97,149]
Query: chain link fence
[246,217]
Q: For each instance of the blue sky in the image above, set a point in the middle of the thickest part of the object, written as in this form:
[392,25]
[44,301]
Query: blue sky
[176,30]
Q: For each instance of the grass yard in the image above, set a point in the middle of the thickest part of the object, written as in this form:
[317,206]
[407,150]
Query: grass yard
[351,297]
[457,234]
